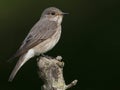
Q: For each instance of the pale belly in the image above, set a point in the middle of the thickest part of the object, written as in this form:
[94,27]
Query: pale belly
[47,44]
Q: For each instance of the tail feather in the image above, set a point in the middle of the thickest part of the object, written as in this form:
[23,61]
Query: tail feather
[11,59]
[23,59]
[17,67]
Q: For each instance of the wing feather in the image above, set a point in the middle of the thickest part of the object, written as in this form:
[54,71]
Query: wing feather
[41,31]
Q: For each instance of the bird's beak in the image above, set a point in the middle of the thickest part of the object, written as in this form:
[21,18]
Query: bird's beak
[63,13]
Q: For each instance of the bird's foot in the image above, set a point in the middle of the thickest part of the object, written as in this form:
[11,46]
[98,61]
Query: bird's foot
[46,56]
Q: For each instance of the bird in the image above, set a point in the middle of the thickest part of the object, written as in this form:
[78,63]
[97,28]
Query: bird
[42,37]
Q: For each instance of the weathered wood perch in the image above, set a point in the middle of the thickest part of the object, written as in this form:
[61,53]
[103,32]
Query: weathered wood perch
[51,72]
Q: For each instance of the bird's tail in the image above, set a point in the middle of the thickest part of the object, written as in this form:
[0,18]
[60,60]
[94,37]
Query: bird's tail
[23,59]
[19,64]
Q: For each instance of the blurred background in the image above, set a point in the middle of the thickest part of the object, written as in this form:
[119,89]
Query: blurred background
[90,42]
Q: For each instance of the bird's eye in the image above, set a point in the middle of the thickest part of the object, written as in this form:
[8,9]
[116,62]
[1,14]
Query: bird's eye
[53,13]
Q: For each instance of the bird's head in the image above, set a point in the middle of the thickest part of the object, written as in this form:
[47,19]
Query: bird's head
[53,14]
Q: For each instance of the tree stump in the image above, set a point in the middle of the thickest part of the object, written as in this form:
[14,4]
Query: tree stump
[51,72]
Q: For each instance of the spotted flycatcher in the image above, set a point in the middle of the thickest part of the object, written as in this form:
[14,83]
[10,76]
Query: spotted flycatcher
[42,37]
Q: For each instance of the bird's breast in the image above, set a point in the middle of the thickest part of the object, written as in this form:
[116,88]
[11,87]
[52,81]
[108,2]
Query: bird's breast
[49,43]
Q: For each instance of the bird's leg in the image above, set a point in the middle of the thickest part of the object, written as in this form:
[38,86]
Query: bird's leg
[43,55]
[49,57]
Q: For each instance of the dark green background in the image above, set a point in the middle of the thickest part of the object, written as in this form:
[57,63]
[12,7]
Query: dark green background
[90,42]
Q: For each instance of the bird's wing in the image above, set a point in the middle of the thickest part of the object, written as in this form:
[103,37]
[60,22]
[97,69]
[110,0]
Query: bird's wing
[39,33]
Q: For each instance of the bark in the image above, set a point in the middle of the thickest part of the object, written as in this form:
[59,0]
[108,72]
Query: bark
[51,72]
